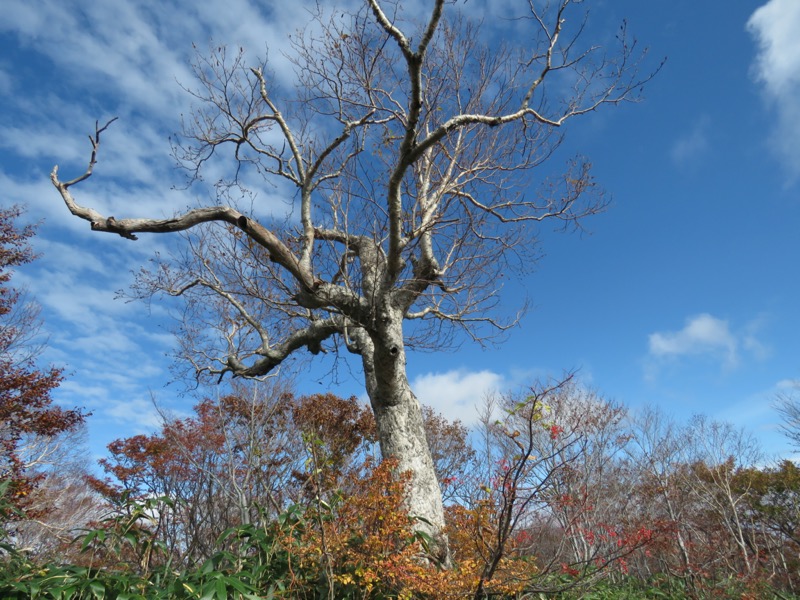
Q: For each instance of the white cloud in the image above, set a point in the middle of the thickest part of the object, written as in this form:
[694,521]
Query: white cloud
[457,394]
[775,28]
[702,335]
[114,47]
[138,51]
[707,337]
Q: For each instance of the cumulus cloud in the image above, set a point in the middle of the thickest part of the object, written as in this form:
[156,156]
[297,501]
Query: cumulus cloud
[457,394]
[774,27]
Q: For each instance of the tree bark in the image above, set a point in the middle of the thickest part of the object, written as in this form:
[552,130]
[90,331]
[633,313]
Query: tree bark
[401,430]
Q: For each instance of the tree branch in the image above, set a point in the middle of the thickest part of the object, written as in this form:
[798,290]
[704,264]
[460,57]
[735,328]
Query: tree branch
[127,228]
[310,336]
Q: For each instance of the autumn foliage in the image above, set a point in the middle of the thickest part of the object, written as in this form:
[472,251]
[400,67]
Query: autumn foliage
[558,492]
[27,412]
[295,484]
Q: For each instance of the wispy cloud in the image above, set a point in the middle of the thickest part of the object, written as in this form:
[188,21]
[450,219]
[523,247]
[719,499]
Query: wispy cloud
[140,412]
[6,82]
[692,145]
[777,67]
[757,412]
[705,335]
[127,59]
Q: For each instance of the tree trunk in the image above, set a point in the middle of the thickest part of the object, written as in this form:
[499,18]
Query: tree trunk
[401,429]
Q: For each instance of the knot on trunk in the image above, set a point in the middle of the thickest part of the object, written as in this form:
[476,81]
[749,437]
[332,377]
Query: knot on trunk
[114,227]
[308,300]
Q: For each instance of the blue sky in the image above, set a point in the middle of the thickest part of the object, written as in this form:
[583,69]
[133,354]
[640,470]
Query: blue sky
[683,294]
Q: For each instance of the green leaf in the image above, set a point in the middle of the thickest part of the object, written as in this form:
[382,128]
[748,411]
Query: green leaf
[96,534]
[98,589]
[222,589]
[424,539]
[209,591]
[423,520]
[238,585]
[67,592]
[208,567]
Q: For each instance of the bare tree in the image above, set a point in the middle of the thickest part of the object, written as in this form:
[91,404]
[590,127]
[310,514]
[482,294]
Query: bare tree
[720,452]
[410,148]
[659,447]
[788,406]
[62,502]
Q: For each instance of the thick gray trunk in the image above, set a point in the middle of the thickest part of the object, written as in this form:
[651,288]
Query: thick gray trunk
[401,429]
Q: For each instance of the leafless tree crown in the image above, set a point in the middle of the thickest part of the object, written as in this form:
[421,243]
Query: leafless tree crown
[409,150]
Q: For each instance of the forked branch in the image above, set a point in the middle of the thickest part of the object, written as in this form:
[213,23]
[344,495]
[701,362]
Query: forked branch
[128,228]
